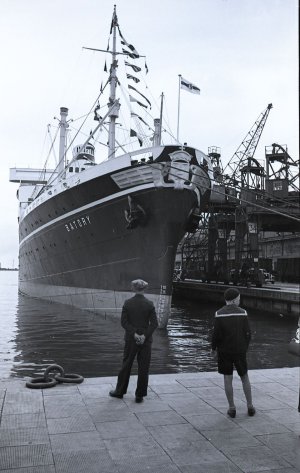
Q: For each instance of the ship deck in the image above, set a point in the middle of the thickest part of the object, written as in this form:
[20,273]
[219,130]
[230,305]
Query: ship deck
[181,426]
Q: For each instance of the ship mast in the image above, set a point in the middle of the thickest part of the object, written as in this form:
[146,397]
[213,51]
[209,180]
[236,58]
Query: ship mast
[114,112]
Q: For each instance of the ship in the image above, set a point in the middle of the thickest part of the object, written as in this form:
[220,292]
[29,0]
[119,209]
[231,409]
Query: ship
[87,229]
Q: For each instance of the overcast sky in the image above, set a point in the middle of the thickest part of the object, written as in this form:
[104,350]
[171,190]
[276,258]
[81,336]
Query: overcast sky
[242,54]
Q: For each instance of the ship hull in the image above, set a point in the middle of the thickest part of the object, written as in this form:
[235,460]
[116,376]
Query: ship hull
[89,258]
[85,237]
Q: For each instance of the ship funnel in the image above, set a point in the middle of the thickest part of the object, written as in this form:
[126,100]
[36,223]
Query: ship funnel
[157,132]
[63,138]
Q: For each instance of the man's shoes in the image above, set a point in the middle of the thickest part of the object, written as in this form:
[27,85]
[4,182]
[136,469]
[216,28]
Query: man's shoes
[139,399]
[115,394]
[251,411]
[231,412]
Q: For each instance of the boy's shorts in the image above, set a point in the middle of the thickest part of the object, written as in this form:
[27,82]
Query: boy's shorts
[228,361]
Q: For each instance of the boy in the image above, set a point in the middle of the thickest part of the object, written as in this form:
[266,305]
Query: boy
[231,337]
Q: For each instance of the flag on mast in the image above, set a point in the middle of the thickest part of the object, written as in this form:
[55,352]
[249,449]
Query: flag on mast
[186,85]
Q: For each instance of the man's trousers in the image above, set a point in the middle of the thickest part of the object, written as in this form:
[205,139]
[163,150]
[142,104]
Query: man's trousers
[143,354]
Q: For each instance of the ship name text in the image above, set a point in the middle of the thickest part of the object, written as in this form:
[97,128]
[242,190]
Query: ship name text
[77,223]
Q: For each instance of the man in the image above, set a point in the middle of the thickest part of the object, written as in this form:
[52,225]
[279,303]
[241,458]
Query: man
[139,322]
[231,337]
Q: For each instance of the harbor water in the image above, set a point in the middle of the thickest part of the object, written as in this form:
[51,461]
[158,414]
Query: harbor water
[34,334]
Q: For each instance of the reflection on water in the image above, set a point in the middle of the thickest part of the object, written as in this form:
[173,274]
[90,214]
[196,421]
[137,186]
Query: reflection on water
[271,334]
[35,334]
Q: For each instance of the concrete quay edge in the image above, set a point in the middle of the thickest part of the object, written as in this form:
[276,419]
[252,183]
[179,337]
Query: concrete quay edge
[269,299]
[181,426]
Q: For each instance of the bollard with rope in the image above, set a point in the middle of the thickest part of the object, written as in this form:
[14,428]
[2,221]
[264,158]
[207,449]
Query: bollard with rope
[59,376]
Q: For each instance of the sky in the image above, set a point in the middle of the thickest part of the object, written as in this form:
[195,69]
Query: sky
[242,54]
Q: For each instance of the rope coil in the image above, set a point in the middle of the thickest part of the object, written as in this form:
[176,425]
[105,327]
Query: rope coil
[47,381]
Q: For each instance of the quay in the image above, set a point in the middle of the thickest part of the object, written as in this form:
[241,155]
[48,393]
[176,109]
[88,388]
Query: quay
[276,298]
[181,426]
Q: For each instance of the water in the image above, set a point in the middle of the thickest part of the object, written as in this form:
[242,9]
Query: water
[34,334]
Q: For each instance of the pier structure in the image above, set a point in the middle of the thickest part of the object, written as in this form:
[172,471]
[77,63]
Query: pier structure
[252,222]
[273,299]
[181,427]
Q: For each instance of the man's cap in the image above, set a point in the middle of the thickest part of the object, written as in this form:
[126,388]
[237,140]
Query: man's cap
[231,294]
[139,285]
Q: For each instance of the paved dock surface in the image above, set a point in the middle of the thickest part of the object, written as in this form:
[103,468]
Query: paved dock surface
[181,426]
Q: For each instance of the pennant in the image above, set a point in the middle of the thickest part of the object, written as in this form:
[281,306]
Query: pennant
[132,55]
[186,85]
[132,48]
[125,43]
[135,115]
[134,67]
[132,99]
[135,79]
[96,116]
[114,22]
[146,68]
[134,133]
[133,88]
[105,66]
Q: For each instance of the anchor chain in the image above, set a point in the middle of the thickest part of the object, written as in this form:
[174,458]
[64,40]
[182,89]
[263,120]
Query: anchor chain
[47,381]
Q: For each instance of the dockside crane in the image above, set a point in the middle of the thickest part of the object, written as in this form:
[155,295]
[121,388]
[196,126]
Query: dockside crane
[242,169]
[242,179]
[247,198]
[281,168]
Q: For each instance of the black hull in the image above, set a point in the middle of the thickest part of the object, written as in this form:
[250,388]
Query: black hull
[84,239]
[89,259]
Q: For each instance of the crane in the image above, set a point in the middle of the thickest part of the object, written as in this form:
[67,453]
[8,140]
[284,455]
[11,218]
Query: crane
[242,162]
[225,213]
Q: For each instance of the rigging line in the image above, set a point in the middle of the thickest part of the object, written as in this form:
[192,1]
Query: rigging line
[52,145]
[78,131]
[120,146]
[166,120]
[126,94]
[169,132]
[266,194]
[86,135]
[86,116]
[72,141]
[166,126]
[157,105]
[279,199]
[46,134]
[44,170]
[237,198]
[141,128]
[124,120]
[127,100]
[80,118]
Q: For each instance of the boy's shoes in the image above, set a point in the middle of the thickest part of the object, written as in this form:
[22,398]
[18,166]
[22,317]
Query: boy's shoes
[231,412]
[115,394]
[251,411]
[139,399]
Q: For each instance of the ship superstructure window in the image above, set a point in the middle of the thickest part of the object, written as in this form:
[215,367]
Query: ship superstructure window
[71,169]
[76,169]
